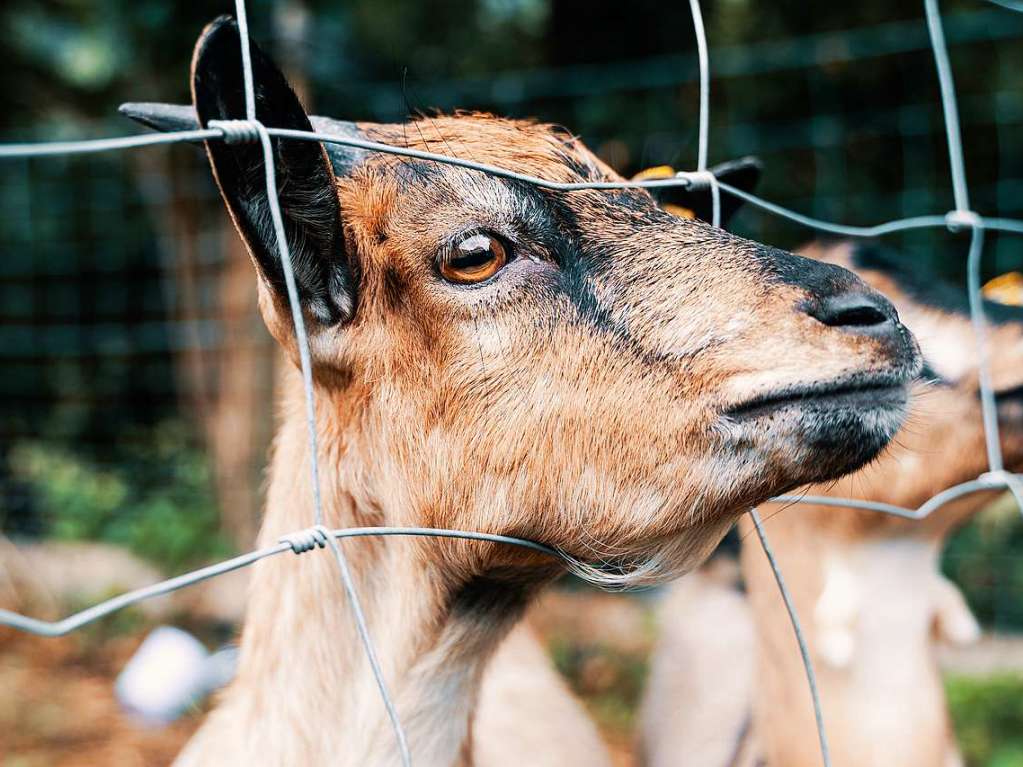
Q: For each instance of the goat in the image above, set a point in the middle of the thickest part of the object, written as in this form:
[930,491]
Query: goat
[867,586]
[581,369]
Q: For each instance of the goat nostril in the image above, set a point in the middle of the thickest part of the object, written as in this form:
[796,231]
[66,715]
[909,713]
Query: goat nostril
[867,311]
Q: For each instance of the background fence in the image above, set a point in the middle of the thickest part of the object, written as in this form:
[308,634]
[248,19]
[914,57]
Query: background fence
[137,379]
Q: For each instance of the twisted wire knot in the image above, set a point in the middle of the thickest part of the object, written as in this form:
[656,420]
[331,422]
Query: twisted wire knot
[698,179]
[306,540]
[237,131]
[957,220]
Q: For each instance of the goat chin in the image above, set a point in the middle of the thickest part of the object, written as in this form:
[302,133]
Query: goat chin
[671,558]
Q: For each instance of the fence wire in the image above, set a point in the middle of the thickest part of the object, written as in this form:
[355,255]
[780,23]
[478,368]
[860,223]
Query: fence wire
[962,218]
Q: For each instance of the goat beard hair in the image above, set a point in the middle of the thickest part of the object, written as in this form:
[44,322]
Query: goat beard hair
[670,559]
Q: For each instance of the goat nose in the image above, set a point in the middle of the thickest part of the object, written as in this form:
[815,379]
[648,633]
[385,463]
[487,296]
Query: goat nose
[856,311]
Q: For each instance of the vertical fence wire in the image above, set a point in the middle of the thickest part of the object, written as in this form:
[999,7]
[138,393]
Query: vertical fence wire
[946,83]
[302,339]
[978,319]
[703,140]
[704,59]
[797,629]
[964,216]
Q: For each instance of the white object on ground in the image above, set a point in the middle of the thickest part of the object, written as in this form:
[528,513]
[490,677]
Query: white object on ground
[169,672]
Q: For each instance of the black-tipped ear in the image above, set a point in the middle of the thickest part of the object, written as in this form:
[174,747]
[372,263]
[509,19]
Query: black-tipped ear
[743,174]
[305,180]
[161,117]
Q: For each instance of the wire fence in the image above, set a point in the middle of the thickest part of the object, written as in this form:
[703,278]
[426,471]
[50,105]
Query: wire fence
[317,535]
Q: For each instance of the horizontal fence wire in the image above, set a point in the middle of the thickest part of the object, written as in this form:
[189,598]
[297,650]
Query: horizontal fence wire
[101,610]
[318,536]
[683,179]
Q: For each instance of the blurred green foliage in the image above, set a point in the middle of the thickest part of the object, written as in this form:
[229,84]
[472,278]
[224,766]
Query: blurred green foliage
[609,680]
[159,502]
[988,717]
[983,559]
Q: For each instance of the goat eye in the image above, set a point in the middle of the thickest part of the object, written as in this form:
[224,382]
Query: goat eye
[474,259]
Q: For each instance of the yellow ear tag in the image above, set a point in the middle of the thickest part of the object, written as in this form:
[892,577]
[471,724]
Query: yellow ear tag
[1005,289]
[677,210]
[664,171]
[658,171]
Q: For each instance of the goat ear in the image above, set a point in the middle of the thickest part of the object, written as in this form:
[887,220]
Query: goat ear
[305,179]
[161,117]
[743,174]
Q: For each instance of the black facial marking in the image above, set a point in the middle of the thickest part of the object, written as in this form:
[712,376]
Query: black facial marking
[576,269]
[815,277]
[926,289]
[638,203]
[412,173]
[577,287]
[581,260]
[599,318]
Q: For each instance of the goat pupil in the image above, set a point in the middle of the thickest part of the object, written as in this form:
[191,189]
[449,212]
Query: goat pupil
[475,259]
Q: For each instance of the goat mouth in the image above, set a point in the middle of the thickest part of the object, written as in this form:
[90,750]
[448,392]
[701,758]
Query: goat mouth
[860,396]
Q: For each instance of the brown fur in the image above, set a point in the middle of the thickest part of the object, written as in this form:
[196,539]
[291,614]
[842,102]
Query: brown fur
[867,586]
[578,398]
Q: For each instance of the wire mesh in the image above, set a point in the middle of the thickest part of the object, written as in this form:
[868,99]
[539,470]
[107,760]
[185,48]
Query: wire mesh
[250,129]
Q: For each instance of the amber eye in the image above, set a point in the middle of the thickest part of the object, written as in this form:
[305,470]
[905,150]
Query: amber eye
[474,259]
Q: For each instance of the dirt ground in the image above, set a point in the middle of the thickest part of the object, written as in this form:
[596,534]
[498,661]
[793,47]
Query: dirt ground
[58,706]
